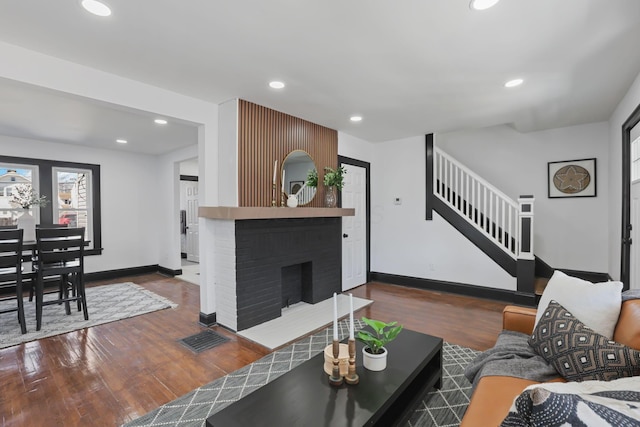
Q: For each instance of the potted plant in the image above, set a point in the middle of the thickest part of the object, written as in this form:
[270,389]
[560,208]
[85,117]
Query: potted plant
[312,178]
[333,178]
[24,196]
[374,353]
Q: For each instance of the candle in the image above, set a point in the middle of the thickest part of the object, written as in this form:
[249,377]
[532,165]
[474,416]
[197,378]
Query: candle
[350,316]
[335,317]
[283,171]
[275,167]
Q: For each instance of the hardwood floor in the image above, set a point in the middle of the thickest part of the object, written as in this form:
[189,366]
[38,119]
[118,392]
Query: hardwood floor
[113,373]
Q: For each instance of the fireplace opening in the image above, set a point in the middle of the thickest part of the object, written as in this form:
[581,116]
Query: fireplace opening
[296,283]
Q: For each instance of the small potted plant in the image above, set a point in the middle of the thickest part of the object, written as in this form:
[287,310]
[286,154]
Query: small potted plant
[333,178]
[374,353]
[312,178]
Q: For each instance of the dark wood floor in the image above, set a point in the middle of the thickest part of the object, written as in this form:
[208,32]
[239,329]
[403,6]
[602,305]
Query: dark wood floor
[113,373]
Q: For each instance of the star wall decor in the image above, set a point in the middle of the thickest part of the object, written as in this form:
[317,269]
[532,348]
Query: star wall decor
[572,178]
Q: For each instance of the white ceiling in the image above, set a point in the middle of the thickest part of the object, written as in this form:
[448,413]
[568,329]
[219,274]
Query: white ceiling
[408,67]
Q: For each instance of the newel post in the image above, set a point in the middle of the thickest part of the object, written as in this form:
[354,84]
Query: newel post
[525,250]
[526,259]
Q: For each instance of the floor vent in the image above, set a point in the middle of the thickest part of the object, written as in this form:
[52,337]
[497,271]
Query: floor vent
[203,341]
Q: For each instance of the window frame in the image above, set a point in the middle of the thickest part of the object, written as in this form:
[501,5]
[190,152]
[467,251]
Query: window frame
[45,171]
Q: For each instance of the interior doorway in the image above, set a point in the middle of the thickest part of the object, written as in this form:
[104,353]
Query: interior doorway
[189,228]
[355,230]
[628,225]
[634,265]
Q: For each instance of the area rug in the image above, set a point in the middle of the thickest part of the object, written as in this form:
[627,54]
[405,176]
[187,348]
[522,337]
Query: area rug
[299,320]
[106,303]
[440,408]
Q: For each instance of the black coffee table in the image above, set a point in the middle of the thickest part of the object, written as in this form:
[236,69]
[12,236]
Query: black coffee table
[303,396]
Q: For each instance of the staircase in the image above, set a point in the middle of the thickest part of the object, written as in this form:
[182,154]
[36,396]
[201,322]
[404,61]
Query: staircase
[498,225]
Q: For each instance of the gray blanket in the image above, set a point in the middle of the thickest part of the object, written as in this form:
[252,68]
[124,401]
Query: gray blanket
[511,356]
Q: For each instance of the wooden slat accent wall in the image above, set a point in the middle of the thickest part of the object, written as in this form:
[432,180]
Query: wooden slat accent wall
[266,135]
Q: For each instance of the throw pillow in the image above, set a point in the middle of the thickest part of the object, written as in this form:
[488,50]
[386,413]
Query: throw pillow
[597,305]
[577,352]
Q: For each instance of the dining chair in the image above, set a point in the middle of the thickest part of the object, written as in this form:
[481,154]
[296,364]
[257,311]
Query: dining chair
[60,254]
[11,272]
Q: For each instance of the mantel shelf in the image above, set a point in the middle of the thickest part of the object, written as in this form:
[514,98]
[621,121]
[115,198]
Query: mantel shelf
[258,212]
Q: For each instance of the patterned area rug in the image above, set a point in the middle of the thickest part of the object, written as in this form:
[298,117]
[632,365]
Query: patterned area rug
[441,408]
[106,304]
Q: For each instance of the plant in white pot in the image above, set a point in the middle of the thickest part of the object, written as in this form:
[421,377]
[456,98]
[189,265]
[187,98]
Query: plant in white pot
[374,353]
[24,196]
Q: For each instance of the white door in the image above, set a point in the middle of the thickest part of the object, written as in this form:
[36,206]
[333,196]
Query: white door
[634,282]
[192,222]
[354,228]
[634,266]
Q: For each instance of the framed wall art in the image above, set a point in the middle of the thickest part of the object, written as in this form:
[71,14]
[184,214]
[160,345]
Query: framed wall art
[294,186]
[572,178]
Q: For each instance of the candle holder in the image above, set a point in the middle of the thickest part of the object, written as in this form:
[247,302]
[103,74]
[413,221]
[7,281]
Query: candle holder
[273,195]
[335,379]
[352,378]
[283,199]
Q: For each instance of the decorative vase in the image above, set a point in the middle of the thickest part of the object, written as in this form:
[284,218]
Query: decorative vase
[330,197]
[28,224]
[374,362]
[292,201]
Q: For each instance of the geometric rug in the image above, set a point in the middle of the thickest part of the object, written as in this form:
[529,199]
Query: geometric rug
[439,408]
[106,303]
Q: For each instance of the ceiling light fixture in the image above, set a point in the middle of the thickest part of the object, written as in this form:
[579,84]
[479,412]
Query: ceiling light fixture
[482,4]
[121,141]
[96,7]
[160,121]
[356,118]
[276,85]
[513,83]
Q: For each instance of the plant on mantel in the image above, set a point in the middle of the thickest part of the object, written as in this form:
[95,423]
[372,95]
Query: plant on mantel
[334,177]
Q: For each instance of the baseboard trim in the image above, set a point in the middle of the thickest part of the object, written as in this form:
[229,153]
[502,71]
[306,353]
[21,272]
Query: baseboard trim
[514,297]
[207,319]
[168,272]
[591,276]
[115,274]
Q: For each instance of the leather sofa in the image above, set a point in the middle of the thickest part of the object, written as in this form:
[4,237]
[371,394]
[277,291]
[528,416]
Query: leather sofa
[494,395]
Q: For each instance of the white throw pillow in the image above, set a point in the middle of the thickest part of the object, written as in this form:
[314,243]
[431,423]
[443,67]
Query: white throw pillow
[597,305]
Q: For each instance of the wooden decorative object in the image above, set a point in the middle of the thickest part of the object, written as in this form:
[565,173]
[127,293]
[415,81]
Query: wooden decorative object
[335,379]
[352,378]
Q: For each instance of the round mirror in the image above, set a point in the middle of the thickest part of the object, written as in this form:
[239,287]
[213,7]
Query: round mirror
[295,168]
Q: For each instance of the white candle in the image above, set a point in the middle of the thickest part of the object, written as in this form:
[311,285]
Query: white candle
[350,316]
[283,171]
[275,167]
[335,317]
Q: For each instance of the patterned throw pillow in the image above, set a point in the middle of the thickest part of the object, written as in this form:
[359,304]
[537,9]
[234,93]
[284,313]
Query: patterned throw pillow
[578,353]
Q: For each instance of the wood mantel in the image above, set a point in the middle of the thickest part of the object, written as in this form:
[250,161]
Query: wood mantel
[258,212]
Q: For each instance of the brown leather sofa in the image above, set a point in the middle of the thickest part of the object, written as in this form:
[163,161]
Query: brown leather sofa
[493,395]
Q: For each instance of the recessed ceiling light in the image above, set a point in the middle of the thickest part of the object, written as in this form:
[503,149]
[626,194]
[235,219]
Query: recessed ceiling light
[482,4]
[96,7]
[356,118]
[276,85]
[160,121]
[121,141]
[513,83]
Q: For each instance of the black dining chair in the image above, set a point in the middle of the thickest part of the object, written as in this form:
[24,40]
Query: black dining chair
[11,272]
[60,255]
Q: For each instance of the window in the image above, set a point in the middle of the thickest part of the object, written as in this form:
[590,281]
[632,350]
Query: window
[635,160]
[12,174]
[72,198]
[73,190]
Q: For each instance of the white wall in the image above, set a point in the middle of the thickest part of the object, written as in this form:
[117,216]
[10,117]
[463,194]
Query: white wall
[570,233]
[129,197]
[620,115]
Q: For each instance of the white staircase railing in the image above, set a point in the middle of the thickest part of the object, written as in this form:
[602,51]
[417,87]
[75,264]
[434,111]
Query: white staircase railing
[483,206]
